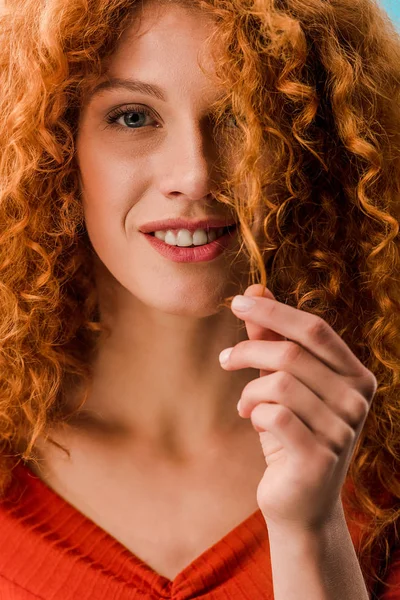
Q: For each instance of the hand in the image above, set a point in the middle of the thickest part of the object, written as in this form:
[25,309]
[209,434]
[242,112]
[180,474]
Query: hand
[309,406]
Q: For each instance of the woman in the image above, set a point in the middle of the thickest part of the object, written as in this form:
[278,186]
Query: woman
[158,159]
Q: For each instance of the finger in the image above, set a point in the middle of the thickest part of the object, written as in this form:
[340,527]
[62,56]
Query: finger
[282,388]
[254,330]
[308,330]
[298,440]
[288,357]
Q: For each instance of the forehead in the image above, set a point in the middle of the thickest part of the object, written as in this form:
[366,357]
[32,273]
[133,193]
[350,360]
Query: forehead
[171,19]
[165,43]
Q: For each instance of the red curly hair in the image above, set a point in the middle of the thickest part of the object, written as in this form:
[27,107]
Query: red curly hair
[317,85]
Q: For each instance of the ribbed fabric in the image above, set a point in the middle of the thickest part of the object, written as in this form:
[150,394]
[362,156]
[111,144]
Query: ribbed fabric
[51,551]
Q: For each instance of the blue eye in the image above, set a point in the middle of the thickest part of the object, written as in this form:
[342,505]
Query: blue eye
[138,122]
[129,123]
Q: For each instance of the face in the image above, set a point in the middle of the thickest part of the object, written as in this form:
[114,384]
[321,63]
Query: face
[153,165]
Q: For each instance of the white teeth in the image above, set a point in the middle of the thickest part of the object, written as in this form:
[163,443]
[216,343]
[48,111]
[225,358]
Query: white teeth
[184,238]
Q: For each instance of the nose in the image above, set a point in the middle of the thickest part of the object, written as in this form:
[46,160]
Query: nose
[188,163]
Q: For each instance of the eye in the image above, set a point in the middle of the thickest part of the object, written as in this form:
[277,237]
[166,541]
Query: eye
[228,120]
[133,117]
[232,120]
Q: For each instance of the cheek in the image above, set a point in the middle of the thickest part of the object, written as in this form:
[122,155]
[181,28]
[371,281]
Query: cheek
[111,186]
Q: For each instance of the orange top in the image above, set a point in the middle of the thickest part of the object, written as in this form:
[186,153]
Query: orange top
[51,551]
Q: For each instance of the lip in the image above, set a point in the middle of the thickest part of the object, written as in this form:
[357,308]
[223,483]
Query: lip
[203,253]
[180,223]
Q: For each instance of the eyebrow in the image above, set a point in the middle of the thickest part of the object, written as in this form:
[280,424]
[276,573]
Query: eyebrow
[133,85]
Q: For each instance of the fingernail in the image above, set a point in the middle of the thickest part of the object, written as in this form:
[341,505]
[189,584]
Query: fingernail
[242,303]
[238,406]
[224,355]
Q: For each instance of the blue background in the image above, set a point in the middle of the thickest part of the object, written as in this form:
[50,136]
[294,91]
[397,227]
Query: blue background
[392,8]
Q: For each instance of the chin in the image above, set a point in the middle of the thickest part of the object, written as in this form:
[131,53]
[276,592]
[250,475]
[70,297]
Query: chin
[185,295]
[185,306]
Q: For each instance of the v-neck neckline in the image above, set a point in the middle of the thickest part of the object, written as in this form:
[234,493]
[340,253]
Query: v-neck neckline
[101,549]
